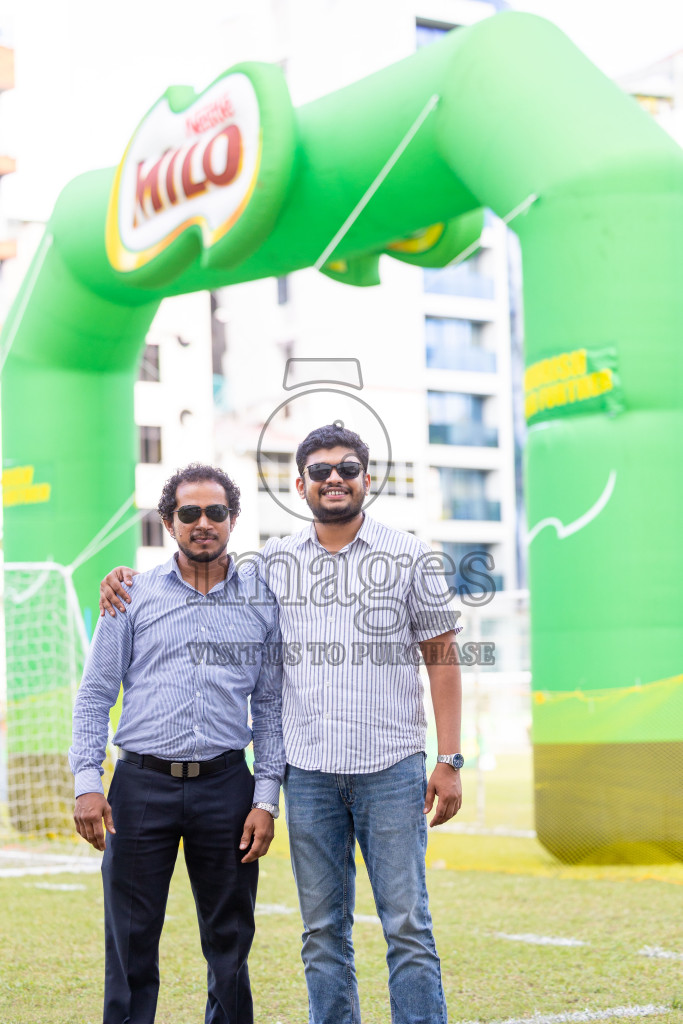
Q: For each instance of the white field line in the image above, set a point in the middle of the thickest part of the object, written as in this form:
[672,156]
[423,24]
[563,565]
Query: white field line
[35,864]
[280,908]
[58,887]
[657,951]
[273,908]
[579,1016]
[84,869]
[541,940]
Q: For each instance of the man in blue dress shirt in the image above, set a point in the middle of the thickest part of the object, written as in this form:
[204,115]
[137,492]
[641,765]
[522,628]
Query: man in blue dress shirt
[192,652]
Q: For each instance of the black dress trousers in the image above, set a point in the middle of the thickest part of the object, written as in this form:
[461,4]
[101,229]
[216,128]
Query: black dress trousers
[152,812]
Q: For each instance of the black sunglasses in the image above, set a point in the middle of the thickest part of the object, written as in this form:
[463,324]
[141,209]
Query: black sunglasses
[191,513]
[320,471]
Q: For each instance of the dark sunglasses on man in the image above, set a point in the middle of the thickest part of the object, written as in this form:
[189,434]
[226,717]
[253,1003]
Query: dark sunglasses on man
[319,471]
[191,513]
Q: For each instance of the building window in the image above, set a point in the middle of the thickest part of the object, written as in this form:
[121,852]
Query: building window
[463,495]
[458,418]
[275,467]
[152,530]
[401,479]
[467,278]
[150,444]
[149,364]
[471,570]
[282,291]
[455,344]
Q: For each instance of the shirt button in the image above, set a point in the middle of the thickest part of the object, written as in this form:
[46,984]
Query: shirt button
[328,684]
[197,694]
[327,714]
[203,628]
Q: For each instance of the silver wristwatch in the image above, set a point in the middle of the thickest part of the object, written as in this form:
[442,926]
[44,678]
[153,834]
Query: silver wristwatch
[271,808]
[456,761]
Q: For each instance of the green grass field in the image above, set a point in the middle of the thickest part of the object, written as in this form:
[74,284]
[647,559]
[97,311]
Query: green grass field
[493,898]
[51,940]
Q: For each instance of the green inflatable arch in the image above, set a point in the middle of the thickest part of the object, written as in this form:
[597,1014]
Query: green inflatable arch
[234,185]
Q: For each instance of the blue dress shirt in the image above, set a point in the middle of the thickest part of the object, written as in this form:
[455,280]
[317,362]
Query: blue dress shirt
[190,664]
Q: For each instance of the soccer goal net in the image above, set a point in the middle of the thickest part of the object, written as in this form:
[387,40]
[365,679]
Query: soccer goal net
[45,645]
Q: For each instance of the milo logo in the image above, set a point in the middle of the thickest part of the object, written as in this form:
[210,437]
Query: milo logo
[193,167]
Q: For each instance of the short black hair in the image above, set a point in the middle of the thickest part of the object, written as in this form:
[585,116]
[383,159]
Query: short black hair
[195,473]
[331,436]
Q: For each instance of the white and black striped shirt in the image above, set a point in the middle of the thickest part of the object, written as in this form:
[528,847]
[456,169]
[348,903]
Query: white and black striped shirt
[351,623]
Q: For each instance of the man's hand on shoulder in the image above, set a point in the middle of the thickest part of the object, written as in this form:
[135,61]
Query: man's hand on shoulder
[112,591]
[259,829]
[89,811]
[445,783]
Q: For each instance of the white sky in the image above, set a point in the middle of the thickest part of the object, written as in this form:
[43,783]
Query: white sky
[88,71]
[617,35]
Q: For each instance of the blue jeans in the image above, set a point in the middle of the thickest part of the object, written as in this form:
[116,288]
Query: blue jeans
[326,813]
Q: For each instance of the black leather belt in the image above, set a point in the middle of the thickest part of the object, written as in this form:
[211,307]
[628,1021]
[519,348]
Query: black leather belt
[183,769]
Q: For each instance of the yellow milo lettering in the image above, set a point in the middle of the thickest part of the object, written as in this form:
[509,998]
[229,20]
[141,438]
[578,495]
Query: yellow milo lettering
[18,487]
[605,380]
[19,476]
[563,380]
[579,362]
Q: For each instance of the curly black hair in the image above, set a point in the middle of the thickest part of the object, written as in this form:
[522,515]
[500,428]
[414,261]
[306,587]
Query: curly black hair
[331,436]
[194,473]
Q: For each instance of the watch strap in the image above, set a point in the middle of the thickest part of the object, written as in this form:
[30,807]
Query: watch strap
[261,805]
[456,761]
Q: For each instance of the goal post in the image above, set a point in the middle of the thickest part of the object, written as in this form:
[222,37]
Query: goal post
[45,650]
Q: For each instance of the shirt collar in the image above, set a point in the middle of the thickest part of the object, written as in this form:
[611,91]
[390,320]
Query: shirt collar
[172,566]
[366,533]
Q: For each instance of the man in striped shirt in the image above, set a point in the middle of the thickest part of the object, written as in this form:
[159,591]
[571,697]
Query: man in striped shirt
[358,601]
[192,652]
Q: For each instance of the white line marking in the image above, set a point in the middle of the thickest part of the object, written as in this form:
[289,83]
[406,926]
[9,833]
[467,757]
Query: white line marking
[273,908]
[367,918]
[657,951]
[541,940]
[578,524]
[58,887]
[579,1016]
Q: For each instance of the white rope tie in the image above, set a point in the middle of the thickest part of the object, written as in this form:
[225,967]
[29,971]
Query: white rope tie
[365,199]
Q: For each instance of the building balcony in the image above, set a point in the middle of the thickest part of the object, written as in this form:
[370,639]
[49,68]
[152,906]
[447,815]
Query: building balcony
[476,509]
[478,434]
[460,280]
[467,358]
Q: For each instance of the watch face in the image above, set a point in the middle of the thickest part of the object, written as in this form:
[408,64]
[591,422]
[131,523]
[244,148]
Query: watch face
[458,761]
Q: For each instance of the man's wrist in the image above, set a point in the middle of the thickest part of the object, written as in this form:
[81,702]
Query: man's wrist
[88,780]
[456,761]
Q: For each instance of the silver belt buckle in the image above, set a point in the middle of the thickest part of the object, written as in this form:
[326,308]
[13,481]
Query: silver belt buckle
[192,769]
[177,769]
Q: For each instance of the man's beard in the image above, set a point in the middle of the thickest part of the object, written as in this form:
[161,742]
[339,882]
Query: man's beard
[200,556]
[337,515]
